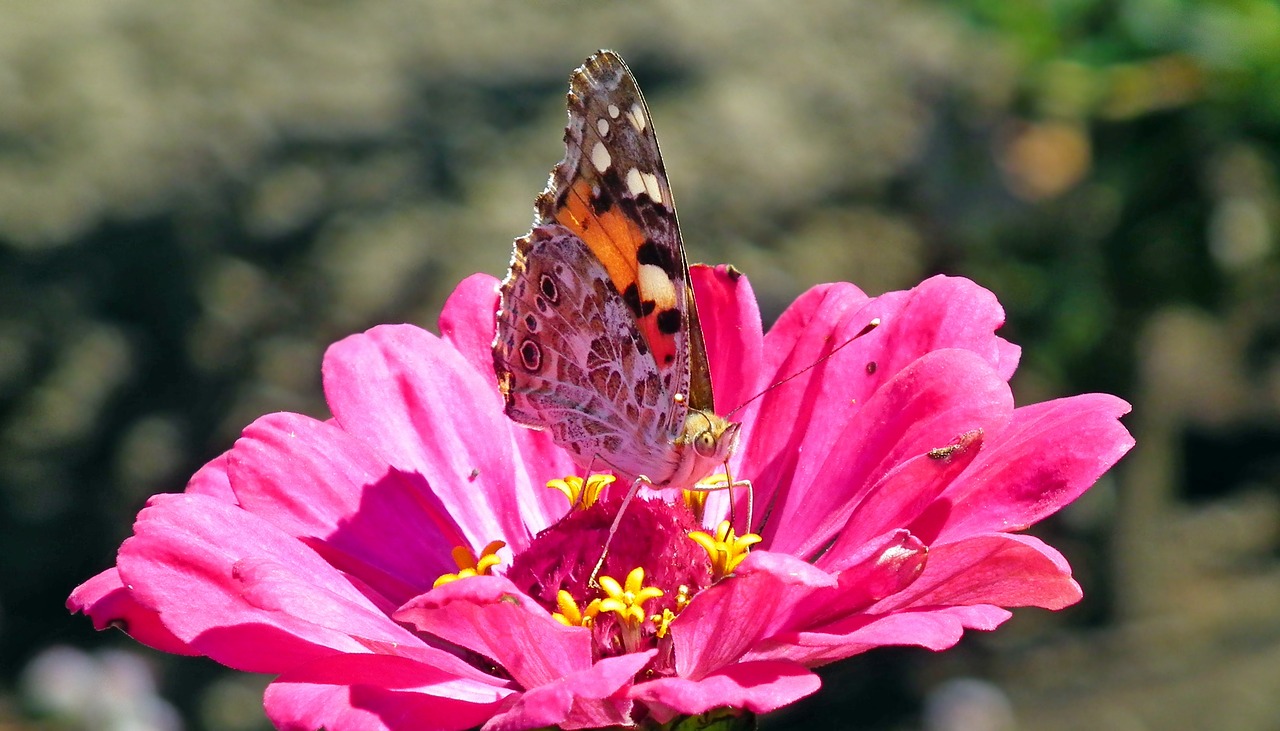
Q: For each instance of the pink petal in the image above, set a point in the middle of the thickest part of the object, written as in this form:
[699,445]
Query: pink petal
[777,424]
[378,692]
[314,481]
[758,687]
[182,562]
[925,406]
[934,629]
[414,399]
[1048,455]
[540,460]
[902,494]
[940,313]
[946,312]
[592,698]
[882,567]
[490,616]
[467,322]
[996,568]
[1008,358]
[106,600]
[541,708]
[212,480]
[730,320]
[725,620]
[278,589]
[982,617]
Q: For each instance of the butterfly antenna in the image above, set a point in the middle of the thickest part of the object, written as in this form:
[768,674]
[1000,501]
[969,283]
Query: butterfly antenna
[869,327]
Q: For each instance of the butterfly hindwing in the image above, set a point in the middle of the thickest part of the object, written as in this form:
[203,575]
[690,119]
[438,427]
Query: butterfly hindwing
[575,361]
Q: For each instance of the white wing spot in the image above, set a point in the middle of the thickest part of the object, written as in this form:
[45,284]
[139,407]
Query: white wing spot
[651,187]
[600,157]
[602,126]
[614,111]
[636,115]
[655,285]
[635,182]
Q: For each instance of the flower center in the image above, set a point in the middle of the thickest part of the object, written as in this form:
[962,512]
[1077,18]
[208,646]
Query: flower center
[651,570]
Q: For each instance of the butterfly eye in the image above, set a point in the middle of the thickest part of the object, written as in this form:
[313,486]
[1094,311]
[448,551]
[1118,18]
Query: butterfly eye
[705,444]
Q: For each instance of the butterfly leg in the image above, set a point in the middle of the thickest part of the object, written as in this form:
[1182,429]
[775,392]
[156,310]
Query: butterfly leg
[729,483]
[617,520]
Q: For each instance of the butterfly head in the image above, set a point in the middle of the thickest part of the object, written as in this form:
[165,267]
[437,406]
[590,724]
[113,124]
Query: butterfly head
[706,442]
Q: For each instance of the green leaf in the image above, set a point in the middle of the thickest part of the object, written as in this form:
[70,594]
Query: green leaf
[718,719]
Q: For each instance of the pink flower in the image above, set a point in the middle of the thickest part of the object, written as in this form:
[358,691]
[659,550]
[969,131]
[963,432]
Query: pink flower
[889,483]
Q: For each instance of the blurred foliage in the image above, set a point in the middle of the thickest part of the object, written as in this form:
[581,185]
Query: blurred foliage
[1144,136]
[196,198]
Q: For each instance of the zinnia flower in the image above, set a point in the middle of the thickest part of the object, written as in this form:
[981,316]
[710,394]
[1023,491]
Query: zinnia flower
[403,566]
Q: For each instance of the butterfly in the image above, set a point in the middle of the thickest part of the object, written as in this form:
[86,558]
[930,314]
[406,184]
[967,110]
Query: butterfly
[598,340]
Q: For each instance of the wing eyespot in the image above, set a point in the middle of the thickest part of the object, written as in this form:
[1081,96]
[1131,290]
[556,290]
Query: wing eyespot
[547,285]
[531,356]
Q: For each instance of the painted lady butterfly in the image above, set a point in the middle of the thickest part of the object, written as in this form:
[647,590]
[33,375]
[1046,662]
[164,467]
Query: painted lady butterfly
[598,338]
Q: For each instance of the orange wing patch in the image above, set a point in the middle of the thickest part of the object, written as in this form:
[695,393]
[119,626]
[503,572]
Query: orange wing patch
[611,236]
[633,262]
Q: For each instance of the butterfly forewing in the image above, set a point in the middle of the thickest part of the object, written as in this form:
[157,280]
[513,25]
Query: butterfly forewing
[612,190]
[612,364]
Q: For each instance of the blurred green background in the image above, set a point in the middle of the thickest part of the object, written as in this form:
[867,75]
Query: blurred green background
[195,198]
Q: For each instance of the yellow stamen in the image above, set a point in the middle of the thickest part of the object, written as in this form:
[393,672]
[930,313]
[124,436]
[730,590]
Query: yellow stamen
[471,565]
[682,598]
[725,549]
[569,614]
[582,496]
[696,501]
[696,497]
[663,621]
[628,602]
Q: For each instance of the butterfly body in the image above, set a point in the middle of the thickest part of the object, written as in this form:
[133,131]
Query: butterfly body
[598,339]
